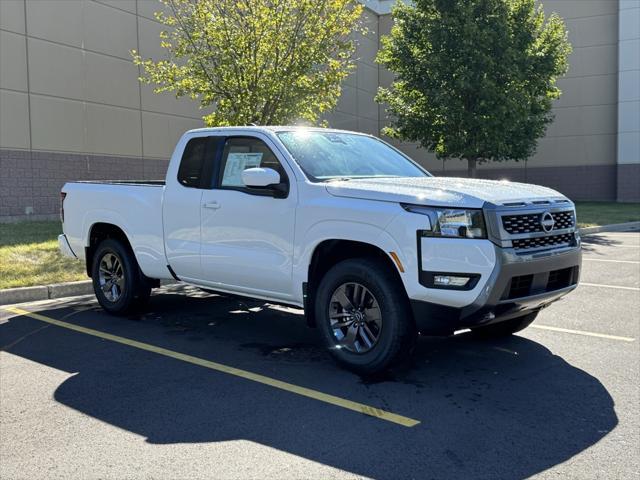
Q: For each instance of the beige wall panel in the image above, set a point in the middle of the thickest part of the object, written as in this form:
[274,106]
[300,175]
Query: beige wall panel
[108,30]
[629,116]
[149,33]
[147,8]
[58,124]
[369,20]
[630,23]
[385,22]
[596,90]
[57,20]
[629,147]
[128,5]
[14,120]
[12,15]
[367,107]
[343,121]
[580,8]
[56,69]
[629,54]
[13,61]
[161,132]
[366,49]
[628,86]
[166,102]
[367,77]
[368,126]
[348,101]
[587,120]
[111,80]
[579,150]
[113,130]
[599,30]
[597,60]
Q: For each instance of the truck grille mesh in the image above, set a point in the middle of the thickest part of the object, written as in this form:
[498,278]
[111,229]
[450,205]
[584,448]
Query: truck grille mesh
[565,239]
[530,223]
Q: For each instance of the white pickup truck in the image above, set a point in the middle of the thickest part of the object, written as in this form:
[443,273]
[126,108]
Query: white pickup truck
[373,247]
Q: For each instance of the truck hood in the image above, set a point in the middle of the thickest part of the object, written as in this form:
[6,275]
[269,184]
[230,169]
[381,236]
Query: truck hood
[441,191]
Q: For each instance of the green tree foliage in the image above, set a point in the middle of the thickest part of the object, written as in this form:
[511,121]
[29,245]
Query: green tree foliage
[255,61]
[475,79]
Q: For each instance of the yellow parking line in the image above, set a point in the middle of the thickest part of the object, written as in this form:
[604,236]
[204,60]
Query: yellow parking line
[255,377]
[582,332]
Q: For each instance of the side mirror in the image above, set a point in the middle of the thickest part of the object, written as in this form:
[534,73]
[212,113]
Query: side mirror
[260,177]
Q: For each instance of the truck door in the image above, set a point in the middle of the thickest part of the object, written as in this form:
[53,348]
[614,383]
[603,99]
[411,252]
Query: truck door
[247,234]
[181,206]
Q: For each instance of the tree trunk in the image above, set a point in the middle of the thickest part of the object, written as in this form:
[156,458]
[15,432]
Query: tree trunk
[471,168]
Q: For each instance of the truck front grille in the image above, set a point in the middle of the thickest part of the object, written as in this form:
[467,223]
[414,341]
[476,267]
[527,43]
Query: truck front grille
[563,240]
[530,222]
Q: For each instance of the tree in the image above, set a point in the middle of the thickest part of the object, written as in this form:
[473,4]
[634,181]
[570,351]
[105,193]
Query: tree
[474,79]
[255,61]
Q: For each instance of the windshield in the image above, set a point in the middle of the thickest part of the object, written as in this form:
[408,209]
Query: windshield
[338,155]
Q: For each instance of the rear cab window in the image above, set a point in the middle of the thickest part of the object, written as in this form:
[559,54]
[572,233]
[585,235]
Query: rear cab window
[197,163]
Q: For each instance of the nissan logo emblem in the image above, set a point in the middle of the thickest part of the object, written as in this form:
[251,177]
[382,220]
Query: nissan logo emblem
[547,221]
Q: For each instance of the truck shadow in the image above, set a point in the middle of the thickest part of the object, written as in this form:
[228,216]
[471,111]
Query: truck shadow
[493,409]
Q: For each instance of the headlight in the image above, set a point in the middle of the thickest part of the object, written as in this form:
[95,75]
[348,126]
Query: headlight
[451,222]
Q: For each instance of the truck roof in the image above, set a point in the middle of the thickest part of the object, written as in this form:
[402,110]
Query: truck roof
[272,128]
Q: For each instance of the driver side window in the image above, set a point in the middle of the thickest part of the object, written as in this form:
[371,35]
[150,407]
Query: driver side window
[240,153]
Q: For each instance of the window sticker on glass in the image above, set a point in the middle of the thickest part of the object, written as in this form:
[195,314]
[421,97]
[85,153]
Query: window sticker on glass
[236,163]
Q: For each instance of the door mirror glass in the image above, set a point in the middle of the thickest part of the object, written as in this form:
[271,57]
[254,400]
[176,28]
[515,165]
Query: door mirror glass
[260,177]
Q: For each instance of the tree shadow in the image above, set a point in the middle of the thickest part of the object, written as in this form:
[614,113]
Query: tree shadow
[496,409]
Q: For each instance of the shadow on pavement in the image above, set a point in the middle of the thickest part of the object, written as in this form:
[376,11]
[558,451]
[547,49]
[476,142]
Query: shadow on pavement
[495,409]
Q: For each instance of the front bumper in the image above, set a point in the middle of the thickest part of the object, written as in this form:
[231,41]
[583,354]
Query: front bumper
[519,284]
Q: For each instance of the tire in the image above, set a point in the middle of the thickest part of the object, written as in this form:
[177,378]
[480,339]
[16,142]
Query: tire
[390,325]
[131,290]
[506,328]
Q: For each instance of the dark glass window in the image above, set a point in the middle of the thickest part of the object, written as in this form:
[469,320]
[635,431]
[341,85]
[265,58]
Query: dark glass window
[191,171]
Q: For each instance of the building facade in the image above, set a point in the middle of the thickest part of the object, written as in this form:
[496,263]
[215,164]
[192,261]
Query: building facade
[71,106]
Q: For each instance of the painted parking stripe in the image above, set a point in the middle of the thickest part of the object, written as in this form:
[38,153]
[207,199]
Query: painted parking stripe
[582,332]
[618,287]
[611,261]
[255,377]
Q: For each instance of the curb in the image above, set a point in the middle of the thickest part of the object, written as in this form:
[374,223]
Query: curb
[45,292]
[616,227]
[10,296]
[84,287]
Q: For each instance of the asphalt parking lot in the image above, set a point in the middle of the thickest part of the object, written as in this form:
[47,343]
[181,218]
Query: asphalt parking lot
[202,386]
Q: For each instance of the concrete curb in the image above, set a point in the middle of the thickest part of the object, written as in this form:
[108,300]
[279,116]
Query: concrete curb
[10,296]
[45,292]
[616,227]
[84,287]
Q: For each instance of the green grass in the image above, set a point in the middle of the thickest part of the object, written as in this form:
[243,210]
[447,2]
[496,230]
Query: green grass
[29,256]
[29,250]
[605,213]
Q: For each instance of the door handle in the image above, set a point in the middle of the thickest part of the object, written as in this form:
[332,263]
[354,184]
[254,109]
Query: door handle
[212,205]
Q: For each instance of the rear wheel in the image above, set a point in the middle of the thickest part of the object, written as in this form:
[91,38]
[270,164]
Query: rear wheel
[506,328]
[364,317]
[119,284]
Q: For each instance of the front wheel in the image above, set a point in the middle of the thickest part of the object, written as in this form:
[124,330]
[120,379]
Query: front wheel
[506,328]
[119,284]
[364,316]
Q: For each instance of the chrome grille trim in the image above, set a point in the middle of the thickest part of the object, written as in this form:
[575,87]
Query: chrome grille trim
[521,228]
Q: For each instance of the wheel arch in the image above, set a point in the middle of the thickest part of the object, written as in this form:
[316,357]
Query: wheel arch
[331,251]
[98,232]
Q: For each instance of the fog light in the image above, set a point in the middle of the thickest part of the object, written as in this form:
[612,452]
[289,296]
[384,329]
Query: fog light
[450,281]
